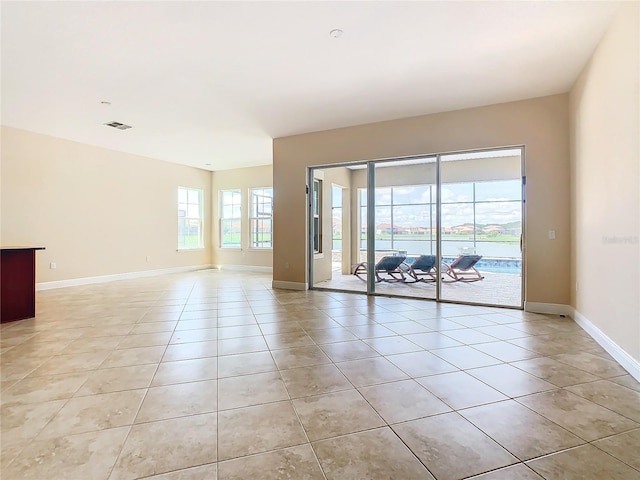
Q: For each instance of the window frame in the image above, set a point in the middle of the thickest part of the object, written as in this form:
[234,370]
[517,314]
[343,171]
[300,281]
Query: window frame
[186,217]
[254,220]
[232,219]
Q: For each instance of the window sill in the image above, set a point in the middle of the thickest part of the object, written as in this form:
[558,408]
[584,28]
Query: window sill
[182,250]
[318,256]
[230,248]
[270,249]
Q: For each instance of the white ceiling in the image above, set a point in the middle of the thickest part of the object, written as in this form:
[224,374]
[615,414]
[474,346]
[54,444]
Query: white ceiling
[214,82]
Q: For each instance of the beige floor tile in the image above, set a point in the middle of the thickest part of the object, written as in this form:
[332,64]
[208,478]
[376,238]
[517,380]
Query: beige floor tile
[236,321]
[407,327]
[298,463]
[371,371]
[79,362]
[203,472]
[94,412]
[510,380]
[245,363]
[288,340]
[402,401]
[232,346]
[91,344]
[239,331]
[501,332]
[145,340]
[178,400]
[154,327]
[451,447]
[578,415]
[314,380]
[199,314]
[375,454]
[200,335]
[188,351]
[624,446]
[331,335]
[627,381]
[84,456]
[465,357]
[197,324]
[392,345]
[279,327]
[108,380]
[592,364]
[584,463]
[436,324]
[420,364]
[258,429]
[514,472]
[167,445]
[560,374]
[21,423]
[343,351]
[299,357]
[460,390]
[469,336]
[373,330]
[431,340]
[183,371]
[505,351]
[247,390]
[334,414]
[522,432]
[43,389]
[133,356]
[615,397]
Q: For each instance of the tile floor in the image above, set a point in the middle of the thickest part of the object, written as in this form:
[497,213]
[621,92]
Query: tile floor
[214,375]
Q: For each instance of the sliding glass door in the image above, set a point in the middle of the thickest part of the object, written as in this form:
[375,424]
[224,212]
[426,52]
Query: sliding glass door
[481,227]
[405,227]
[444,227]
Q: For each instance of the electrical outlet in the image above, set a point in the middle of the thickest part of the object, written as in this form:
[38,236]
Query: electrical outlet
[552,234]
[52,265]
[148,258]
[286,265]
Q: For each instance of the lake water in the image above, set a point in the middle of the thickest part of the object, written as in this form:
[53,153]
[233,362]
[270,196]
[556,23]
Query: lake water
[449,248]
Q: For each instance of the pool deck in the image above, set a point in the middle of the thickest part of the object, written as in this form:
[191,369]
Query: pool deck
[496,289]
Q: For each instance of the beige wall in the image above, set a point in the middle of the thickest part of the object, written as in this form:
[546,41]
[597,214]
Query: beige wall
[243,179]
[605,184]
[541,124]
[97,211]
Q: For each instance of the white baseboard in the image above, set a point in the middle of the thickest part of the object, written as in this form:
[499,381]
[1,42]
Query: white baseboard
[289,285]
[548,308]
[73,282]
[245,268]
[629,363]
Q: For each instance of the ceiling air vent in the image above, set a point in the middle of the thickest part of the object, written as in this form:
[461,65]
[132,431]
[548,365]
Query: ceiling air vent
[118,125]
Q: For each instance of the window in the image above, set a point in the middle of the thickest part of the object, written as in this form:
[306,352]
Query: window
[230,218]
[190,218]
[317,215]
[260,217]
[336,217]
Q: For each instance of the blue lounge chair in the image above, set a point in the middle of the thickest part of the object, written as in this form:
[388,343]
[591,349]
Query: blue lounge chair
[423,269]
[388,269]
[463,269]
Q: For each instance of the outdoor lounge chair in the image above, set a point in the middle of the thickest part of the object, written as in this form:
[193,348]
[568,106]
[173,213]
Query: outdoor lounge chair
[423,269]
[388,269]
[463,269]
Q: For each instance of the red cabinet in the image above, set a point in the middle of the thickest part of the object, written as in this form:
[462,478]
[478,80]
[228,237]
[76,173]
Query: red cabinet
[18,283]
